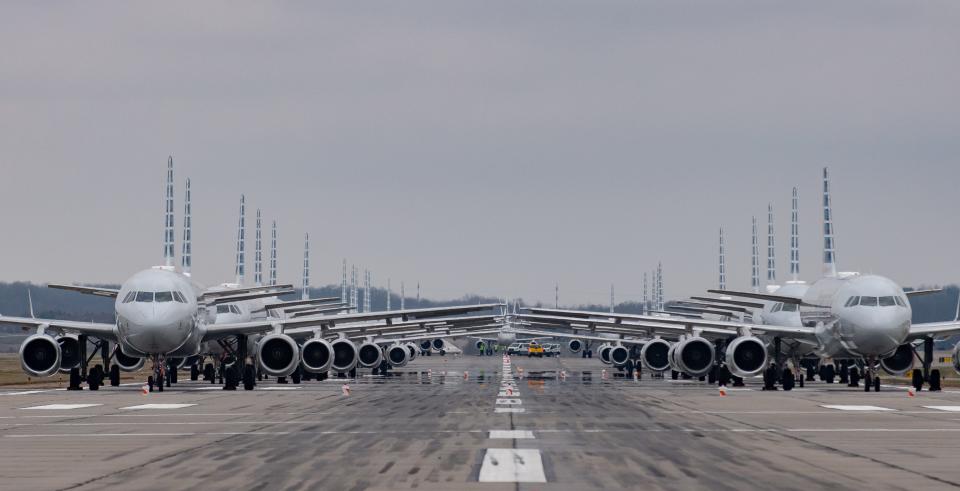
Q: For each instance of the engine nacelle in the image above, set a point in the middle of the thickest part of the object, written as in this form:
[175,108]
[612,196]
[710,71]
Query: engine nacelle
[69,352]
[654,355]
[575,345]
[128,363]
[40,355]
[345,355]
[438,344]
[900,362]
[316,355]
[398,355]
[956,362]
[278,355]
[369,355]
[425,345]
[604,352]
[746,356]
[694,356]
[191,361]
[619,355]
[412,348]
[672,359]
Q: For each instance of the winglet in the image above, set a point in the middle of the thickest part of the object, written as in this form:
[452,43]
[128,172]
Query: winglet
[829,247]
[30,302]
[241,232]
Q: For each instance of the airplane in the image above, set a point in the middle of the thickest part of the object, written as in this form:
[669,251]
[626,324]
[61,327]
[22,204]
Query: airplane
[843,315]
[162,313]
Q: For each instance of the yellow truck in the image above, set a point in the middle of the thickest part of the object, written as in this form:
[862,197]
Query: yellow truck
[535,349]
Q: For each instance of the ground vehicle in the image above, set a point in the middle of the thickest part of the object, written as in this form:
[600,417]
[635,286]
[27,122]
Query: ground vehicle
[535,349]
[551,349]
[514,348]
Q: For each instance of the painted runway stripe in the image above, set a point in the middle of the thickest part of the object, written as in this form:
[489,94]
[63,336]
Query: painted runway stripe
[512,465]
[509,402]
[157,406]
[281,388]
[517,434]
[856,408]
[23,393]
[509,410]
[945,408]
[60,407]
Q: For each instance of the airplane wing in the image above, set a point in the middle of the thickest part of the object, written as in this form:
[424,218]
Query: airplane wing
[917,293]
[96,329]
[765,296]
[390,315]
[658,323]
[208,295]
[933,329]
[309,303]
[546,334]
[89,290]
[452,334]
[242,296]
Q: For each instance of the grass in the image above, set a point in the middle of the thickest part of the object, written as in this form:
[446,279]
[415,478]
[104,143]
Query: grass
[11,375]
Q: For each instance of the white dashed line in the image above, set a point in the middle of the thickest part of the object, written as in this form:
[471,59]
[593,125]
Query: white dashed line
[281,388]
[62,406]
[512,465]
[157,406]
[945,408]
[509,402]
[509,410]
[518,434]
[856,408]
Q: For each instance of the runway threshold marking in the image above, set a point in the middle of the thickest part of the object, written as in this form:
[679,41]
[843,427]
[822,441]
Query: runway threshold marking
[511,434]
[856,408]
[157,406]
[61,407]
[512,465]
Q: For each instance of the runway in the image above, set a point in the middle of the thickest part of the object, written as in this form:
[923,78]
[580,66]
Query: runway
[469,424]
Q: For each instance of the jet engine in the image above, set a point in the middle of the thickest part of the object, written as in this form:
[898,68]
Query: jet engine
[345,355]
[40,355]
[425,345]
[438,344]
[604,352]
[69,352]
[654,355]
[900,362]
[128,363]
[316,355]
[369,355]
[575,345]
[956,362]
[478,344]
[412,348]
[694,356]
[398,355]
[619,355]
[278,355]
[746,356]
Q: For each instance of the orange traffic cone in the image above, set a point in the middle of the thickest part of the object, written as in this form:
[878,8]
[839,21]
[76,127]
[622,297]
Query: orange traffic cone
[144,389]
[911,392]
[723,391]
[346,389]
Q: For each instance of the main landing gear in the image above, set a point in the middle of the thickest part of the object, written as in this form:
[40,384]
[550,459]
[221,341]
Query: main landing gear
[871,376]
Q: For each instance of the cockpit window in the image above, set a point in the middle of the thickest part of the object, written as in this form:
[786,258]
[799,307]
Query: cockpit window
[144,296]
[900,301]
[234,309]
[223,309]
[163,297]
[179,297]
[130,296]
[776,307]
[790,307]
[868,301]
[852,301]
[888,302]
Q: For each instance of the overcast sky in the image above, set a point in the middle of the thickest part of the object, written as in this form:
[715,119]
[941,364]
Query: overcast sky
[481,147]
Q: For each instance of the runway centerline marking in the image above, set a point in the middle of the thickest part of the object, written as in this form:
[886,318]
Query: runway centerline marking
[517,434]
[509,402]
[945,408]
[856,408]
[157,406]
[509,410]
[61,407]
[512,465]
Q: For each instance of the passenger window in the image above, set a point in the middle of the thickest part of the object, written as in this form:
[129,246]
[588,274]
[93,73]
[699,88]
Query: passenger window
[887,302]
[130,296]
[163,297]
[868,301]
[144,296]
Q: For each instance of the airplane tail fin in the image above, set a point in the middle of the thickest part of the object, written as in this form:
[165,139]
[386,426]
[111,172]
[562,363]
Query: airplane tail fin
[794,237]
[258,255]
[168,216]
[241,233]
[723,270]
[273,254]
[755,261]
[771,253]
[829,247]
[30,303]
[186,254]
[305,295]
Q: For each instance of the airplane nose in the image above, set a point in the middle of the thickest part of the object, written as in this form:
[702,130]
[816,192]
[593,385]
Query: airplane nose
[151,330]
[881,332]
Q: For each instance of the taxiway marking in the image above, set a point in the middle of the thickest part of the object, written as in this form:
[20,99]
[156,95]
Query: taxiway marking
[518,434]
[856,408]
[62,406]
[157,406]
[509,410]
[512,465]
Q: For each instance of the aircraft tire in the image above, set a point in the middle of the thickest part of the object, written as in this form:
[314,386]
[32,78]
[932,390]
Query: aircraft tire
[248,377]
[787,380]
[917,379]
[867,382]
[876,384]
[935,380]
[114,375]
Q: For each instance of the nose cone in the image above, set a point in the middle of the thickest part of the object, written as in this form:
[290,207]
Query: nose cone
[879,331]
[153,328]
